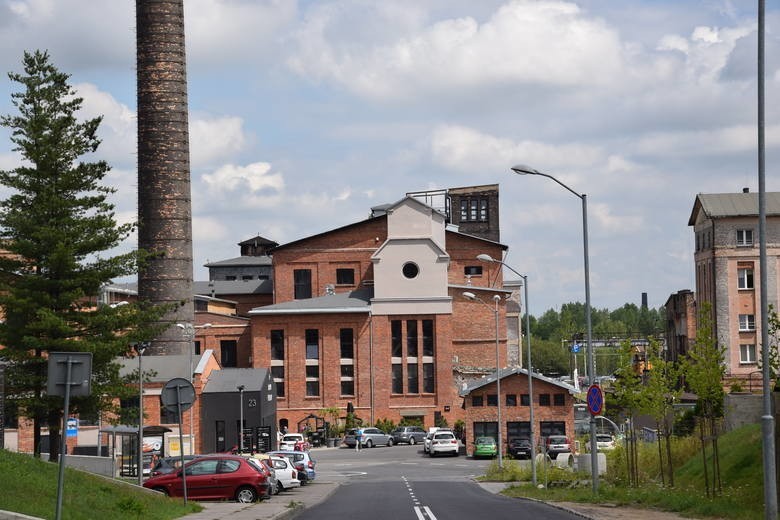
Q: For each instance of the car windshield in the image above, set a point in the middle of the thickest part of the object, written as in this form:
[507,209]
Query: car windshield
[292,437]
[444,436]
[486,440]
[604,438]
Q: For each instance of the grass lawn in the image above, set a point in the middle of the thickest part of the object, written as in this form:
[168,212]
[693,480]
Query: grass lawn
[29,486]
[741,473]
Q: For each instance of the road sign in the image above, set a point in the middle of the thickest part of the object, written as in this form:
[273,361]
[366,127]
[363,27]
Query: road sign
[575,348]
[177,392]
[595,400]
[72,429]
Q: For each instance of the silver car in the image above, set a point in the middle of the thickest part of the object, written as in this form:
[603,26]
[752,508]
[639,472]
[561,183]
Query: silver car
[369,438]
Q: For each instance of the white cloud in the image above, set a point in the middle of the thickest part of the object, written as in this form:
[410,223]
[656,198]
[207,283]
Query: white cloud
[215,138]
[717,141]
[118,127]
[235,32]
[535,42]
[248,179]
[468,150]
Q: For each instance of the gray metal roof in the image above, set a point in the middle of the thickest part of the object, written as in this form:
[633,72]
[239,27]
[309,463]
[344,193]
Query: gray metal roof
[242,261]
[225,287]
[356,301]
[504,373]
[228,379]
[220,287]
[722,205]
[164,367]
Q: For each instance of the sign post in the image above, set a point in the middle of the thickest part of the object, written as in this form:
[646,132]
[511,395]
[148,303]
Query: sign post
[69,375]
[178,395]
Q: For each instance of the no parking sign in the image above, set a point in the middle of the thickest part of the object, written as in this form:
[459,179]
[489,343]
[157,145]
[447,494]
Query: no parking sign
[595,400]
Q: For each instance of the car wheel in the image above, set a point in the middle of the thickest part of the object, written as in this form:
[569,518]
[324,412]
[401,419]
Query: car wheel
[389,442]
[412,441]
[162,490]
[246,495]
[369,444]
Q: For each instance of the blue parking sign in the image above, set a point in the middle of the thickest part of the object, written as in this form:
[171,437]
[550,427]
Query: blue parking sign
[72,429]
[575,348]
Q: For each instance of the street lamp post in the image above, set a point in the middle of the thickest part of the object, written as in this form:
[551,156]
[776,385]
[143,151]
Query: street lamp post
[139,349]
[487,258]
[241,419]
[188,333]
[496,299]
[527,170]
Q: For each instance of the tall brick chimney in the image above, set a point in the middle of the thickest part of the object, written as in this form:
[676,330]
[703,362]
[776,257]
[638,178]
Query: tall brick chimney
[164,199]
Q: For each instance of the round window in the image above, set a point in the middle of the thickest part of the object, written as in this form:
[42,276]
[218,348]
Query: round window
[411,270]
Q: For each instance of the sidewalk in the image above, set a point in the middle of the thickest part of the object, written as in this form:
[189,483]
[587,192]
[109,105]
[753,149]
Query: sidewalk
[285,505]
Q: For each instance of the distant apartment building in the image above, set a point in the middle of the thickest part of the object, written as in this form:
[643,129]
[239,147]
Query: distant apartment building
[727,271]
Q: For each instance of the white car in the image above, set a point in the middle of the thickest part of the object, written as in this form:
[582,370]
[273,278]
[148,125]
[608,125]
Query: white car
[605,441]
[431,431]
[443,442]
[291,440]
[286,475]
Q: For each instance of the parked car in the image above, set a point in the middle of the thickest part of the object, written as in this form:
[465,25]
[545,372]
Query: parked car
[408,435]
[520,448]
[369,438]
[269,472]
[214,477]
[170,464]
[605,441]
[286,474]
[557,444]
[427,442]
[294,442]
[302,461]
[443,442]
[485,447]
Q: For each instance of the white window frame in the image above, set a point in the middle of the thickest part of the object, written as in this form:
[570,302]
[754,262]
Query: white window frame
[747,322]
[745,275]
[747,354]
[744,237]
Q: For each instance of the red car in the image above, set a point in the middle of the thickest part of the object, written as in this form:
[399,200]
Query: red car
[215,477]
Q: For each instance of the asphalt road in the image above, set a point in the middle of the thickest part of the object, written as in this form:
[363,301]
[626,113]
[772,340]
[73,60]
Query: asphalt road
[399,483]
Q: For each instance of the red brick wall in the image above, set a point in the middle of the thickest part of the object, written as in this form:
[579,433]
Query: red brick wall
[347,247]
[463,251]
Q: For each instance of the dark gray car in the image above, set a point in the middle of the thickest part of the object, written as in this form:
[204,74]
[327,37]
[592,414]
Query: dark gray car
[408,435]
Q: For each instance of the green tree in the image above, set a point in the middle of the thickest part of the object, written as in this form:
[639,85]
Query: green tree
[704,371]
[661,389]
[628,396]
[56,226]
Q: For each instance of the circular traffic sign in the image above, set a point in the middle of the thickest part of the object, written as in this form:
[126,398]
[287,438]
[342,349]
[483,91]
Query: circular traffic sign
[595,400]
[177,392]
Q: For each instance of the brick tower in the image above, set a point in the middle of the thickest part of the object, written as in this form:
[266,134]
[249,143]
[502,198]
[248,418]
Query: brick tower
[164,200]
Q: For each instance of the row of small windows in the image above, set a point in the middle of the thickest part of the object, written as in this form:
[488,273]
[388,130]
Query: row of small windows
[233,278]
[744,238]
[474,209]
[511,400]
[302,281]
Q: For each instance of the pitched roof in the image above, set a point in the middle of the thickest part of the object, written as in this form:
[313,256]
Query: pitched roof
[227,380]
[242,261]
[724,205]
[504,373]
[233,287]
[350,302]
[258,240]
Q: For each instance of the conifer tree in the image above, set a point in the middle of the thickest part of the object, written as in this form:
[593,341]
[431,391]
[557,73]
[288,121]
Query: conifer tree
[57,227]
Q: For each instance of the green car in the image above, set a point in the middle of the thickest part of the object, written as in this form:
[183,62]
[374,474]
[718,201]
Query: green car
[485,447]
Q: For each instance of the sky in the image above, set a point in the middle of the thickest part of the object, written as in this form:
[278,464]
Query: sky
[304,115]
